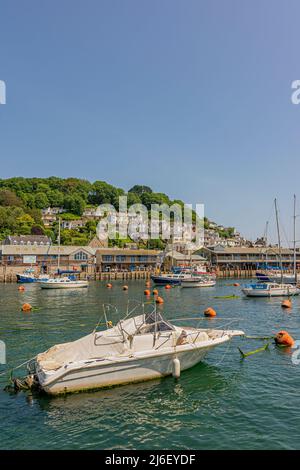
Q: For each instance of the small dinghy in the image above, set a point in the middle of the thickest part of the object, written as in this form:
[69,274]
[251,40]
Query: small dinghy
[137,348]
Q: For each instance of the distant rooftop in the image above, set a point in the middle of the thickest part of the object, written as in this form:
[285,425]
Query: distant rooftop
[27,240]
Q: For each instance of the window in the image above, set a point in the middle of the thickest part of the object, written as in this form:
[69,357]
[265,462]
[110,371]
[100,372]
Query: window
[107,258]
[120,258]
[80,256]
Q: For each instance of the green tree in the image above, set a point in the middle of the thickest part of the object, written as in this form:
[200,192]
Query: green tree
[139,190]
[25,223]
[41,201]
[104,193]
[74,204]
[55,198]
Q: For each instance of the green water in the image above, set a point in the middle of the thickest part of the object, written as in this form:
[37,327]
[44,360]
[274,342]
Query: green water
[223,403]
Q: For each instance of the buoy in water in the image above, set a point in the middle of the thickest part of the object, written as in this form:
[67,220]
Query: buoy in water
[159,300]
[147,292]
[168,286]
[125,287]
[21,288]
[286,303]
[155,292]
[236,284]
[210,312]
[26,307]
[283,338]
[176,368]
[109,286]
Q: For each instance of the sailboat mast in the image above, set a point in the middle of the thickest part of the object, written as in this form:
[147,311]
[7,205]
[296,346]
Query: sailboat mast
[266,242]
[279,242]
[295,259]
[58,239]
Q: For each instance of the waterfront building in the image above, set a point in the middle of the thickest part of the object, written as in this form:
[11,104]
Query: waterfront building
[124,259]
[45,257]
[87,259]
[246,257]
[176,259]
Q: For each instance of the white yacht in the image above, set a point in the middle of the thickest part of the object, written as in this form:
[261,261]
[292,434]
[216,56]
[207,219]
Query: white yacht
[198,281]
[270,289]
[63,283]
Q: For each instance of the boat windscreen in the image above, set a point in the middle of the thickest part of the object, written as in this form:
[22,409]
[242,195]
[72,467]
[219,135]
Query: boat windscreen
[161,324]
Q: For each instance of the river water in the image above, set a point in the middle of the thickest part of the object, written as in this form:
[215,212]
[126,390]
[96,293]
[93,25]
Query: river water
[223,403]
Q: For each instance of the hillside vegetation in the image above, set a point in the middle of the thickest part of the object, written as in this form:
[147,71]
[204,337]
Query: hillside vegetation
[22,201]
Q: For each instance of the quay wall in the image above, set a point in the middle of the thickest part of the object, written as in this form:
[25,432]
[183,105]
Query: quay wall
[243,273]
[8,274]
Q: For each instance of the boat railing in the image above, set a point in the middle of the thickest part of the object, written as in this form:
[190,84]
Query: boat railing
[222,327]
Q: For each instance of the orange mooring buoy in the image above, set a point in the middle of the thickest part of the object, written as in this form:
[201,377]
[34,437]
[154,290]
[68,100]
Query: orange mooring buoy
[210,312]
[26,308]
[147,292]
[286,303]
[236,284]
[159,300]
[283,338]
[21,288]
[109,286]
[125,287]
[155,292]
[168,286]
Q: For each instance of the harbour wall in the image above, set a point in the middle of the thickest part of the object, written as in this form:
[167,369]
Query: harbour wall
[9,274]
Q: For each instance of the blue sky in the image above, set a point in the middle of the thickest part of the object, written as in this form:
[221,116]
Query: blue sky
[190,97]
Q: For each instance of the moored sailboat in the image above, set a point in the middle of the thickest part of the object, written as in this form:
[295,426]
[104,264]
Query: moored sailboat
[273,289]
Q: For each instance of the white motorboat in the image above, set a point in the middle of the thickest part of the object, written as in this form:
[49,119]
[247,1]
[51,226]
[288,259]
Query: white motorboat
[198,281]
[270,289]
[63,283]
[138,348]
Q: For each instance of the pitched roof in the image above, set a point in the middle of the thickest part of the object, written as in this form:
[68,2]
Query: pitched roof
[247,250]
[24,239]
[45,250]
[180,256]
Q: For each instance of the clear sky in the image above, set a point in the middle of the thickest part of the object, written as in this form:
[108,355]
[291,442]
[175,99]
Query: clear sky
[190,97]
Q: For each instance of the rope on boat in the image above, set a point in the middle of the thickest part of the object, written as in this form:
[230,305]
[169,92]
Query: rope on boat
[249,353]
[18,367]
[259,337]
[17,384]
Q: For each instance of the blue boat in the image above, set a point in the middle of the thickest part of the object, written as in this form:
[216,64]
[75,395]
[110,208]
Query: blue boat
[166,279]
[28,276]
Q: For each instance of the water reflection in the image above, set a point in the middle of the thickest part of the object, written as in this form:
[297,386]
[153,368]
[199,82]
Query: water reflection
[223,402]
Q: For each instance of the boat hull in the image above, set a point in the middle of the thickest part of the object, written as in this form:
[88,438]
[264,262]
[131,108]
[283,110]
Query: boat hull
[25,279]
[198,284]
[264,277]
[160,280]
[124,372]
[70,285]
[29,279]
[268,293]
